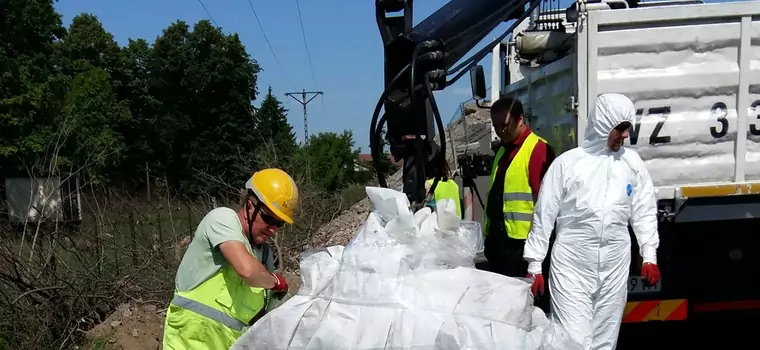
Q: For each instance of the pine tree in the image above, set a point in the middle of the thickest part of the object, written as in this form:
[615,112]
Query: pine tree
[272,128]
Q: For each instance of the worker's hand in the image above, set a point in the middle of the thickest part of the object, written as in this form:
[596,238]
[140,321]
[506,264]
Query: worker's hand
[538,284]
[280,284]
[651,272]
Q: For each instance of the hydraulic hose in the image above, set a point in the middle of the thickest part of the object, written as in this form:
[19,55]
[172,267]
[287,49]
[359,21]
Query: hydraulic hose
[420,164]
[373,142]
[377,125]
[441,130]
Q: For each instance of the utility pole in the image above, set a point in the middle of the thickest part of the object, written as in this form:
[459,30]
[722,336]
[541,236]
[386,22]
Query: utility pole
[303,101]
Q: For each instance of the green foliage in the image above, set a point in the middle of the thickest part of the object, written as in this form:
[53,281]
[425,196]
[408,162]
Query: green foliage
[272,127]
[386,166]
[89,121]
[88,45]
[28,79]
[331,159]
[181,109]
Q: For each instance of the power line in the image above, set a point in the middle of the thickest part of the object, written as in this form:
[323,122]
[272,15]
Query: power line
[269,44]
[305,43]
[208,13]
[259,80]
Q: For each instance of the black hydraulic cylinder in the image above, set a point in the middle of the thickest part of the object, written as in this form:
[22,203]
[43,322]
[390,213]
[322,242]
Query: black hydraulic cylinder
[462,24]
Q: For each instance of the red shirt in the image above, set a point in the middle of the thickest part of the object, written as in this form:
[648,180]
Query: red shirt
[540,160]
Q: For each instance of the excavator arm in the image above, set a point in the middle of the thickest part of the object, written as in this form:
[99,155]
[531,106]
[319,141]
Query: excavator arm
[419,60]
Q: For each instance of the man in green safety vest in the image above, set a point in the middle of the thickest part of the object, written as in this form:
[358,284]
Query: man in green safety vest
[446,187]
[521,161]
[225,278]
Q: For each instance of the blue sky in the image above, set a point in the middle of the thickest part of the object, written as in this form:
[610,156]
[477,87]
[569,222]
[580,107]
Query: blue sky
[342,36]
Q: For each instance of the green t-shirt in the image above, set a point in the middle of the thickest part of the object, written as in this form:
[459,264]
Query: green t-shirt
[203,258]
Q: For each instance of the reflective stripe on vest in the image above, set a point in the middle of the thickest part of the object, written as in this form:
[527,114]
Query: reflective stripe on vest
[447,190]
[224,299]
[208,311]
[518,195]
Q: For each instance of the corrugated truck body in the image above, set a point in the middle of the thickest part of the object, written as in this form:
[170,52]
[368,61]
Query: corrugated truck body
[693,73]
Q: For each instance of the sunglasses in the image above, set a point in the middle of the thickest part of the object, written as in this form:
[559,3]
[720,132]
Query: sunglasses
[271,220]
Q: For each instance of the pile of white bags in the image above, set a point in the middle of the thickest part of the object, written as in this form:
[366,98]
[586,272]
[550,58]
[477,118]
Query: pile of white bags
[405,281]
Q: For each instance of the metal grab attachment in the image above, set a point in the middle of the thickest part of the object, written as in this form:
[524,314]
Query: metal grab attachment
[418,61]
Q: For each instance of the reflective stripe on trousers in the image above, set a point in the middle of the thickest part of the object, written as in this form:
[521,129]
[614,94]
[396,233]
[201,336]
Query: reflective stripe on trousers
[209,312]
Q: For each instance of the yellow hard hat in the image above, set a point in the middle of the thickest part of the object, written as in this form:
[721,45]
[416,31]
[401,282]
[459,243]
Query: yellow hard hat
[277,190]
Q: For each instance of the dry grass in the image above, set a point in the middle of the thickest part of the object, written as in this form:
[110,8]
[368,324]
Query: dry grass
[126,250]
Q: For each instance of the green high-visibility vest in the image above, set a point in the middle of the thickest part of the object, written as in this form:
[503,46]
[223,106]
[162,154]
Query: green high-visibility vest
[214,314]
[518,196]
[447,190]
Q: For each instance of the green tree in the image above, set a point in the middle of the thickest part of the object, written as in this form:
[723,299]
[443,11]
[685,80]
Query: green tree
[88,122]
[167,65]
[141,130]
[204,82]
[368,172]
[386,165]
[331,160]
[272,129]
[30,83]
[89,45]
[95,110]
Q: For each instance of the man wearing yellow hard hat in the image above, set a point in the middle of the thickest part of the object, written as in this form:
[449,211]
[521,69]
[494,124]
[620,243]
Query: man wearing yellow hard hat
[223,280]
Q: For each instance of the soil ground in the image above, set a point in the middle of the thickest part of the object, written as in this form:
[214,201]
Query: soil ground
[132,326]
[140,326]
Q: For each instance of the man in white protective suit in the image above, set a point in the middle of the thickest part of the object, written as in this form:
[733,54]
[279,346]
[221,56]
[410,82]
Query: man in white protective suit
[593,192]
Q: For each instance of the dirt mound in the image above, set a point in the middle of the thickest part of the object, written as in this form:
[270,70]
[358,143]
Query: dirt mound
[341,230]
[133,326]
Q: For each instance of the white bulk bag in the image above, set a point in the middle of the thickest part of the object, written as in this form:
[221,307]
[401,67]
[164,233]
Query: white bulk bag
[406,281]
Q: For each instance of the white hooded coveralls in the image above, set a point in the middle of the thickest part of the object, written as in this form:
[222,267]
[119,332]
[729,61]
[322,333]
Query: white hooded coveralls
[593,193]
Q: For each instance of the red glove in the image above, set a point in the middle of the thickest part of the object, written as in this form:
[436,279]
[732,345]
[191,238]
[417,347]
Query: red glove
[280,284]
[651,272]
[538,284]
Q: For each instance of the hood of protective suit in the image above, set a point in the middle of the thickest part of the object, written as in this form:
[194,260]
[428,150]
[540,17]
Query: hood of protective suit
[610,110]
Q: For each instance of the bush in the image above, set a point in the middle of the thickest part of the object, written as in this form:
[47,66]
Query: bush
[65,279]
[170,117]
